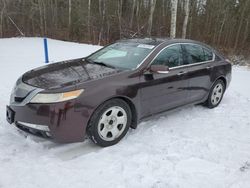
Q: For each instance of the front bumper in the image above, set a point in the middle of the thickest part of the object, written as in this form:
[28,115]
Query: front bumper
[63,122]
[43,128]
[38,130]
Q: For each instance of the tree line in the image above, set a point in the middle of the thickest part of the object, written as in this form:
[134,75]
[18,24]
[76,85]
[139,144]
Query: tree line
[220,23]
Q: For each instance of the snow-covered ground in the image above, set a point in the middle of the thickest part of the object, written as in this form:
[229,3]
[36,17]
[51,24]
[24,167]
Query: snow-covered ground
[194,147]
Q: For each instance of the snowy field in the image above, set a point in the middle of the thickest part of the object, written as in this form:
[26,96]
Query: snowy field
[194,147]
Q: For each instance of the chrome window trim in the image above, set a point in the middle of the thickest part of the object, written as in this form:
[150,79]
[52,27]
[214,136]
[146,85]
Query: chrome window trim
[138,66]
[188,65]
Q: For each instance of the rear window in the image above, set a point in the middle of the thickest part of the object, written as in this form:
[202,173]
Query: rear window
[195,53]
[208,54]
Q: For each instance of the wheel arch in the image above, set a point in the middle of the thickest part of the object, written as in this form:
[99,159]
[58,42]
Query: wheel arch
[223,79]
[131,105]
[218,78]
[132,108]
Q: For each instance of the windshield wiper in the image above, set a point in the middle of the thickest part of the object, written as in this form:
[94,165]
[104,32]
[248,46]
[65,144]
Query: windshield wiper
[100,63]
[104,64]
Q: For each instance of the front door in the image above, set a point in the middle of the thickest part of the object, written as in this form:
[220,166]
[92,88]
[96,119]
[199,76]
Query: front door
[163,91]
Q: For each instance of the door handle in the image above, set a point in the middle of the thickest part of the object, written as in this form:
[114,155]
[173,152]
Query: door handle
[181,73]
[209,67]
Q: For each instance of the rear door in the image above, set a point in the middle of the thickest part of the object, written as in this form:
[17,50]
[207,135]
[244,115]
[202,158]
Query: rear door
[200,62]
[163,91]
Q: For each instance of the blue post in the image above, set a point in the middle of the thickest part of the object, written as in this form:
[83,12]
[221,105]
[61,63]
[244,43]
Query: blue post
[46,50]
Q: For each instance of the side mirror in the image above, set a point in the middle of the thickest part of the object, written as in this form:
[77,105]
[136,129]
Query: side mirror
[161,69]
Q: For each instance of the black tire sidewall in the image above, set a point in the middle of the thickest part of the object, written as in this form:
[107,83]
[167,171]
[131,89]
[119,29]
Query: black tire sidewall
[209,100]
[92,129]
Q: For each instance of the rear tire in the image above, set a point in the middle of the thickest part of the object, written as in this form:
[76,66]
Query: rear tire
[110,122]
[216,94]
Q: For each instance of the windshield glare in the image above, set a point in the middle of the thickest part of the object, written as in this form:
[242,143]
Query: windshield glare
[122,55]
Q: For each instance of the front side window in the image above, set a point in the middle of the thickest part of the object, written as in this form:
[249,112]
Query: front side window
[122,55]
[170,56]
[194,53]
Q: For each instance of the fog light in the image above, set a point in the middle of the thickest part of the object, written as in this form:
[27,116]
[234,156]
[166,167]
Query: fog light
[35,126]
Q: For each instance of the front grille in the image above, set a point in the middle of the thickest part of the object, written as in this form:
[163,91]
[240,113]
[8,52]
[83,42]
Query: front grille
[19,99]
[20,92]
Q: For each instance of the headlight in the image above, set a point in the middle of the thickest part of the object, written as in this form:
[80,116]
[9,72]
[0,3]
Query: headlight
[55,97]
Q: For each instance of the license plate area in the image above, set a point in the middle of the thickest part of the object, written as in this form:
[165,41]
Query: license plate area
[10,115]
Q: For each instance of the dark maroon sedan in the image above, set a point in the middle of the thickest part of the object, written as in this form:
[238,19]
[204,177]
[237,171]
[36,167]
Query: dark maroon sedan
[114,88]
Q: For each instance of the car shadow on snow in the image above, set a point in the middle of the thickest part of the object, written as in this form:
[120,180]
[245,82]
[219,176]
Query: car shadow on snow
[66,152]
[62,151]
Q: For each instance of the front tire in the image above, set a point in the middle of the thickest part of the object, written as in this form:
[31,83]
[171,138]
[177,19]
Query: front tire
[216,94]
[109,123]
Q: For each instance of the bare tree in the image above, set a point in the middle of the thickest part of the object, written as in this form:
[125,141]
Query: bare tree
[70,18]
[45,18]
[40,6]
[242,17]
[55,13]
[132,14]
[89,14]
[246,32]
[186,16]
[223,24]
[137,16]
[174,4]
[1,18]
[151,14]
[102,7]
[225,13]
[119,12]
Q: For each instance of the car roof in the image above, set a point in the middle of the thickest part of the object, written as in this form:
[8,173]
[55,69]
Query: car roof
[148,41]
[157,41]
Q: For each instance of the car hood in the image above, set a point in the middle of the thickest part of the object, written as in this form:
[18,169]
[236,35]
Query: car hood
[66,73]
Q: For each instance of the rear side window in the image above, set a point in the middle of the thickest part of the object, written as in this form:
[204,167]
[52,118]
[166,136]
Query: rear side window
[194,53]
[208,54]
[170,56]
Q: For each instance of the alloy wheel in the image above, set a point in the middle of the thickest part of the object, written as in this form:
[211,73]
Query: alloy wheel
[112,123]
[217,94]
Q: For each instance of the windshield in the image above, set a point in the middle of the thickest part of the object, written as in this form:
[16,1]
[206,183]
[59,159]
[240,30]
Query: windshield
[122,55]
